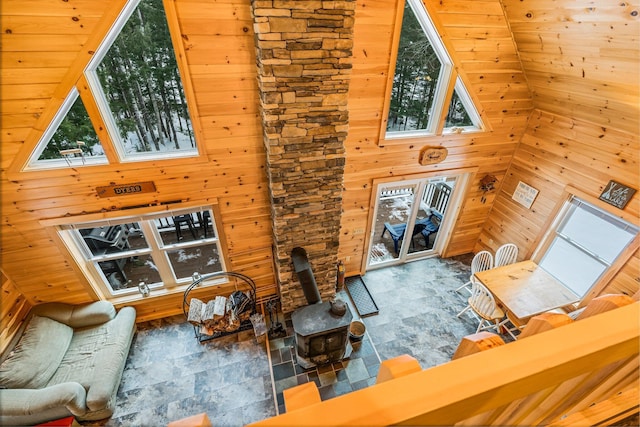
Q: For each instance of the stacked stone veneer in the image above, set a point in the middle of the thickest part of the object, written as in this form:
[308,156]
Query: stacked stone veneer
[303,55]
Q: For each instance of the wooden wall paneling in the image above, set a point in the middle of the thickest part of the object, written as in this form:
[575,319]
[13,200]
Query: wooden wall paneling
[220,62]
[13,311]
[559,151]
[627,280]
[593,79]
[491,56]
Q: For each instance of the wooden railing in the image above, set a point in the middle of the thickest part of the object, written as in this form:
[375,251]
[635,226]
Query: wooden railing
[559,373]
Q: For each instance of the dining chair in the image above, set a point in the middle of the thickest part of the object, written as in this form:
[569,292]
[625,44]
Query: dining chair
[481,261]
[517,325]
[483,304]
[506,254]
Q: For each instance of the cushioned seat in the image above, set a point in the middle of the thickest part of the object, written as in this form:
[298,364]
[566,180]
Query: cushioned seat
[68,362]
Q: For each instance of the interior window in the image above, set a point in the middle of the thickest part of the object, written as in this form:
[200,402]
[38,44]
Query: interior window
[157,250]
[585,243]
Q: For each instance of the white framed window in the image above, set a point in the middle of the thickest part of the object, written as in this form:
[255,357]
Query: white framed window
[158,250]
[136,83]
[70,139]
[135,90]
[584,242]
[427,96]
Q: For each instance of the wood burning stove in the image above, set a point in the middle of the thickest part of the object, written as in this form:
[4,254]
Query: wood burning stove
[322,336]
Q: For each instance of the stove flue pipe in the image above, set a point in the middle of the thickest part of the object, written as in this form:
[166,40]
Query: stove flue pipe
[305,275]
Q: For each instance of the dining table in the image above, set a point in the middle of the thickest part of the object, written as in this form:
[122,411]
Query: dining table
[526,289]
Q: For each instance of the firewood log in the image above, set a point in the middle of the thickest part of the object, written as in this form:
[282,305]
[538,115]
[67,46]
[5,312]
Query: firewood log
[195,312]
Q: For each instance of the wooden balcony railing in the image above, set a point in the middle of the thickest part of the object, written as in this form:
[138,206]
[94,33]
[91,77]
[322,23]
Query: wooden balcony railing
[565,372]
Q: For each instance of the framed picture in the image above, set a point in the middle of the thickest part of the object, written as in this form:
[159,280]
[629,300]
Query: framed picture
[617,194]
[524,194]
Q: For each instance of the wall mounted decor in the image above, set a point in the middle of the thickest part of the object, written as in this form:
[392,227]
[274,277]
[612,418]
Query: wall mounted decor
[432,155]
[524,194]
[617,194]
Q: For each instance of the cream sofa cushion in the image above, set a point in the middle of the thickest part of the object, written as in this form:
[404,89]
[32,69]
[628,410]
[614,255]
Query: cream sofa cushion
[28,366]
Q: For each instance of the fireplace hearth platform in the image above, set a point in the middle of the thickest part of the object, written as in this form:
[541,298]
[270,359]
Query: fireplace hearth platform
[333,379]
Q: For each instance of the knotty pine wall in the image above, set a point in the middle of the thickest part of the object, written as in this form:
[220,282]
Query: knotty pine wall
[480,44]
[41,59]
[581,60]
[13,311]
[45,47]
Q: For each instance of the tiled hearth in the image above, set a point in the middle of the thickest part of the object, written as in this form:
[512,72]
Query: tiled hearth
[333,379]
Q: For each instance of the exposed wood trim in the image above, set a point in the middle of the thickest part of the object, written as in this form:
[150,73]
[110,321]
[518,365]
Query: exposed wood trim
[612,271]
[74,73]
[185,74]
[395,40]
[96,119]
[123,213]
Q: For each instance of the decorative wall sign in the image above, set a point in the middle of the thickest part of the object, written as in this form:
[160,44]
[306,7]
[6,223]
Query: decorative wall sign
[617,194]
[126,189]
[432,155]
[524,194]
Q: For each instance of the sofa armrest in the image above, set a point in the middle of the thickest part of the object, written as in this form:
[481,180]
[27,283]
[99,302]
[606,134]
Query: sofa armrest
[111,359]
[25,402]
[77,316]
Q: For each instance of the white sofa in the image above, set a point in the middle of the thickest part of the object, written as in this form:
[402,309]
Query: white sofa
[68,362]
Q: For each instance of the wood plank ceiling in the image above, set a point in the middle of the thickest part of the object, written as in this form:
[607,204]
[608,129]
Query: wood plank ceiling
[581,58]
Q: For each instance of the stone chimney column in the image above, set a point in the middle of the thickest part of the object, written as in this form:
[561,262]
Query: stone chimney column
[303,57]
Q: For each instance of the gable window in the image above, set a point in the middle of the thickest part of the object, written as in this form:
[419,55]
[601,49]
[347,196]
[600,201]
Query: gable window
[584,244]
[159,251]
[427,97]
[71,138]
[135,84]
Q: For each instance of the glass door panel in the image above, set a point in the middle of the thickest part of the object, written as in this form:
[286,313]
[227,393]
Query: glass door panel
[417,205]
[393,213]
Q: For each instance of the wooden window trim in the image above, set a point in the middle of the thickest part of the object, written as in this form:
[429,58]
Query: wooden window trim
[456,73]
[544,241]
[75,77]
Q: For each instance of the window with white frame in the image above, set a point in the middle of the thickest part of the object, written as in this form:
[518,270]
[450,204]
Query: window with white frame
[160,250]
[421,101]
[584,244]
[134,81]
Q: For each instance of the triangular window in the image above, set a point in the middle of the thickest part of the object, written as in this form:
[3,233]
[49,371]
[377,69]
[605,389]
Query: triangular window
[138,89]
[461,115]
[421,101]
[136,92]
[70,139]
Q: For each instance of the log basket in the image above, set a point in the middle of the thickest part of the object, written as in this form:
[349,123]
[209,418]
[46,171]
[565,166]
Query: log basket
[244,284]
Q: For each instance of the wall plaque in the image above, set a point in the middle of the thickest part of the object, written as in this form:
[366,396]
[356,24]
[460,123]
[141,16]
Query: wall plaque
[126,189]
[617,194]
[524,194]
[432,155]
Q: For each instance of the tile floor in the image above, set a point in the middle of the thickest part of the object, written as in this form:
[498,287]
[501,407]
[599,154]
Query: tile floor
[236,381]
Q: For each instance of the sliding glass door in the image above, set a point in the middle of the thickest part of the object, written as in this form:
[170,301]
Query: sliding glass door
[407,219]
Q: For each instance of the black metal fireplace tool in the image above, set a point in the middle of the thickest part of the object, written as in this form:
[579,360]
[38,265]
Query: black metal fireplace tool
[276,330]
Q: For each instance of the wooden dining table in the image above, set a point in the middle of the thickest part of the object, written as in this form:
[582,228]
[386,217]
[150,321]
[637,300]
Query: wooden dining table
[526,289]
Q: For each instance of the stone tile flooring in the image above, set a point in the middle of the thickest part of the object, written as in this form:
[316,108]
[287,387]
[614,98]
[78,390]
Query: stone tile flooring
[169,375]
